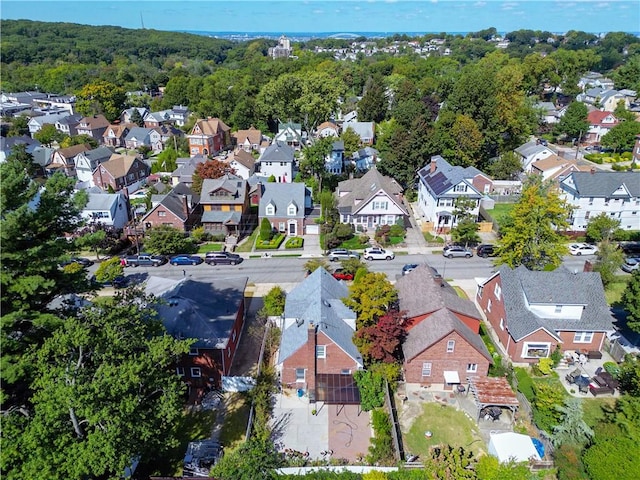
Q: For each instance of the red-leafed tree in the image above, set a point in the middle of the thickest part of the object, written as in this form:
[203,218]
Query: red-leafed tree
[381,342]
[210,169]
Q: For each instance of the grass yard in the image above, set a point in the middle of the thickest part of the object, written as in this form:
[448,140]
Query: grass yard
[235,420]
[613,292]
[448,425]
[592,409]
[353,244]
[247,245]
[500,211]
[210,247]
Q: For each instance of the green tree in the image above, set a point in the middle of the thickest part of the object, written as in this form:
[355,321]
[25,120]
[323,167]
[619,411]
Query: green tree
[532,235]
[621,112]
[79,140]
[466,231]
[136,117]
[490,468]
[547,397]
[92,240]
[19,126]
[266,230]
[572,427]
[608,261]
[313,264]
[274,302]
[20,162]
[505,167]
[374,104]
[105,393]
[167,240]
[447,462]
[574,122]
[601,228]
[101,97]
[371,297]
[631,301]
[108,270]
[622,136]
[253,459]
[629,375]
[352,142]
[467,139]
[48,135]
[314,157]
[371,386]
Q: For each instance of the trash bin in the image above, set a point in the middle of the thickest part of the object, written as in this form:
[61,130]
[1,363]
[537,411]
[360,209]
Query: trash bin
[300,393]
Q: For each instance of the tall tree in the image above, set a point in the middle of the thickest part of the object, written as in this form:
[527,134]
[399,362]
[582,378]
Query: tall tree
[572,428]
[381,342]
[574,123]
[101,97]
[371,297]
[533,235]
[622,136]
[601,228]
[210,169]
[136,117]
[48,135]
[631,302]
[374,104]
[506,167]
[167,240]
[608,261]
[352,142]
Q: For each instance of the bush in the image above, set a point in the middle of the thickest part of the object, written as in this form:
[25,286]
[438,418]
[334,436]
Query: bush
[294,242]
[556,356]
[525,383]
[381,450]
[611,368]
[594,157]
[217,237]
[619,168]
[272,244]
[626,156]
[266,232]
[198,235]
[343,231]
[397,231]
[371,386]
[363,239]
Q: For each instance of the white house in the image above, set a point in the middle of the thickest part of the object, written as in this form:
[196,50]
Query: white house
[291,134]
[87,161]
[591,193]
[365,158]
[365,130]
[243,163]
[531,152]
[600,122]
[106,208]
[278,160]
[334,162]
[327,129]
[139,136]
[36,123]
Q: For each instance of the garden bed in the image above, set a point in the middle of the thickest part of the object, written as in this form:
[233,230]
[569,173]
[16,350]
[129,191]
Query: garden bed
[272,244]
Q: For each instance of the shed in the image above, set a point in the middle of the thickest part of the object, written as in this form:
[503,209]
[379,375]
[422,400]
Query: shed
[507,446]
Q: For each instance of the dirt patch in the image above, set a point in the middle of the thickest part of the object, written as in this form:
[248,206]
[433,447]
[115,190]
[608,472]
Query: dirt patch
[245,361]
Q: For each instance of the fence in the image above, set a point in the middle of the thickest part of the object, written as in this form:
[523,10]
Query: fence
[396,434]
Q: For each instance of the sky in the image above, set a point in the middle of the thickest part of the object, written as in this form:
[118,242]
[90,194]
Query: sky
[344,16]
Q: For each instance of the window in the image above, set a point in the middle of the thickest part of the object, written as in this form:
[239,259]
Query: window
[634,213]
[451,344]
[582,337]
[590,200]
[233,336]
[162,213]
[193,351]
[180,371]
[497,291]
[489,305]
[460,188]
[299,374]
[270,210]
[291,210]
[558,309]
[586,215]
[345,371]
[536,350]
[426,369]
[502,324]
[472,367]
[321,351]
[195,372]
[281,226]
[480,288]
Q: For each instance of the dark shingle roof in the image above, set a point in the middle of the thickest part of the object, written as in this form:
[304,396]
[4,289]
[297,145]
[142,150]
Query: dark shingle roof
[278,152]
[603,184]
[362,190]
[281,195]
[228,189]
[446,176]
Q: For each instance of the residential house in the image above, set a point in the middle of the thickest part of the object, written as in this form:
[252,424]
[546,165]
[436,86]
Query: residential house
[7,145]
[601,98]
[168,133]
[69,124]
[208,137]
[285,206]
[365,130]
[549,113]
[155,119]
[115,134]
[63,159]
[140,136]
[365,158]
[600,122]
[121,171]
[532,152]
[555,168]
[617,194]
[186,169]
[243,163]
[35,124]
[212,315]
[317,332]
[109,209]
[291,134]
[175,209]
[535,312]
[225,205]
[636,151]
[179,115]
[125,116]
[278,160]
[93,126]
[440,186]
[334,163]
[327,129]
[351,116]
[88,160]
[371,201]
[248,140]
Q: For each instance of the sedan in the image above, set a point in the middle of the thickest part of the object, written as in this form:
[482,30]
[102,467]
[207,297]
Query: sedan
[85,262]
[408,267]
[222,258]
[631,264]
[186,260]
[340,274]
[451,251]
[377,253]
[582,249]
[342,254]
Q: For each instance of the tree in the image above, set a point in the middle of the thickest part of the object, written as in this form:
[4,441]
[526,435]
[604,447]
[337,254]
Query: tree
[274,302]
[601,227]
[629,375]
[466,231]
[19,126]
[621,112]
[167,240]
[371,297]
[574,122]
[371,386]
[631,301]
[622,136]
[505,167]
[108,270]
[136,117]
[313,264]
[381,342]
[467,139]
[22,161]
[352,142]
[314,158]
[255,458]
[449,462]
[210,169]
[532,235]
[48,135]
[490,468]
[93,240]
[374,104]
[266,230]
[608,261]
[105,393]
[101,97]
[79,140]
[572,428]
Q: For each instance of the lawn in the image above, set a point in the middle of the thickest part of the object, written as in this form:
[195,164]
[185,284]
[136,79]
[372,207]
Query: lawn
[235,420]
[614,290]
[210,247]
[500,211]
[247,245]
[353,244]
[448,426]
[592,409]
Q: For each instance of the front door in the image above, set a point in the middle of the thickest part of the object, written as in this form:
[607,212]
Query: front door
[292,228]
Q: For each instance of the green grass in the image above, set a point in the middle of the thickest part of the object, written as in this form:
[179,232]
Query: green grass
[396,240]
[353,244]
[613,292]
[247,245]
[448,425]
[235,420]
[430,238]
[592,409]
[500,211]
[461,293]
[210,247]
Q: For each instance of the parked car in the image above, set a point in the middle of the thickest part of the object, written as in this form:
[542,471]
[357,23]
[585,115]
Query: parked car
[338,254]
[630,248]
[222,258]
[582,249]
[85,262]
[340,274]
[451,251]
[377,253]
[186,260]
[486,250]
[408,267]
[118,282]
[631,264]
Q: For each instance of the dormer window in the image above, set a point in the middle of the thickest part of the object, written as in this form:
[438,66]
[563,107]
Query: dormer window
[270,210]
[291,210]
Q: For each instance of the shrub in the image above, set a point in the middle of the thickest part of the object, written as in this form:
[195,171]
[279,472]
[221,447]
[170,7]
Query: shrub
[545,366]
[594,157]
[272,244]
[556,356]
[363,239]
[626,156]
[294,242]
[199,235]
[397,231]
[611,368]
[343,231]
[381,450]
[266,232]
[619,168]
[274,302]
[371,386]
[217,237]
[525,383]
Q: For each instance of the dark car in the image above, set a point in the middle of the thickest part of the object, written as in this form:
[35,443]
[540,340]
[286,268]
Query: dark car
[222,258]
[186,260]
[486,250]
[85,262]
[118,282]
[408,267]
[340,274]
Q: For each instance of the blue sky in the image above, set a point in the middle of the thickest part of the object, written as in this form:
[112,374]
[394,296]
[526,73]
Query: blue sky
[349,16]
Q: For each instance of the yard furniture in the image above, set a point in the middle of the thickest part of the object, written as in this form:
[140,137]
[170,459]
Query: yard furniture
[571,376]
[582,381]
[594,355]
[599,386]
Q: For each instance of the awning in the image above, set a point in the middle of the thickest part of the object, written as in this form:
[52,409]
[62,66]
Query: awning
[451,377]
[444,213]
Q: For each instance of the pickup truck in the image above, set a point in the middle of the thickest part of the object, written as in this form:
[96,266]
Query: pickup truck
[144,260]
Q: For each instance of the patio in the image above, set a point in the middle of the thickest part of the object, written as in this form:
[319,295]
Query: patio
[587,370]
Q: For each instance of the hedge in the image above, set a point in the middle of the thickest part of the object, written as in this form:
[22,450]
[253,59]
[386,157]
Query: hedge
[272,244]
[294,242]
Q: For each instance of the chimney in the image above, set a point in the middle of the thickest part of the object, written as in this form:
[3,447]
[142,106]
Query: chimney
[185,206]
[434,165]
[310,376]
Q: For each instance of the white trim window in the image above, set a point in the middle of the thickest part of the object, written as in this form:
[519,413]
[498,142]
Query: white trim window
[502,324]
[472,367]
[193,351]
[270,210]
[451,345]
[291,211]
[299,374]
[536,350]
[180,371]
[582,337]
[426,369]
[489,305]
[195,372]
[321,351]
[497,291]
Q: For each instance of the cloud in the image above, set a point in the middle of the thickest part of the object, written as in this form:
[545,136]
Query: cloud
[479,4]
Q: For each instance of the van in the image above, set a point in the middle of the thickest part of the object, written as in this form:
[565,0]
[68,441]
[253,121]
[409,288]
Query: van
[486,250]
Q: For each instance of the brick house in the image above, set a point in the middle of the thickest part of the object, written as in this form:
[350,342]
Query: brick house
[178,210]
[208,137]
[121,171]
[212,316]
[115,134]
[93,126]
[317,330]
[442,344]
[285,205]
[225,204]
[532,313]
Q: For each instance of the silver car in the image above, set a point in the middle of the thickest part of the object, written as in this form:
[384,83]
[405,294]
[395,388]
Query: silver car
[338,254]
[631,264]
[451,251]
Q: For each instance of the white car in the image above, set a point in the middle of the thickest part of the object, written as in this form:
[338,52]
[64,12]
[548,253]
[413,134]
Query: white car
[582,249]
[377,253]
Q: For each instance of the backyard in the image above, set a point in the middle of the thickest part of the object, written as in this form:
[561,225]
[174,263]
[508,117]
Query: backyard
[500,211]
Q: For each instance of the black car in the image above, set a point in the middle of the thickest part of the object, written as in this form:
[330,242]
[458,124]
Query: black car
[486,250]
[222,258]
[118,282]
[85,262]
[409,267]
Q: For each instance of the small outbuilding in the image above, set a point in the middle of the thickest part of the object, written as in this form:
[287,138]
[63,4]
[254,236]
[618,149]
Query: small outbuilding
[507,446]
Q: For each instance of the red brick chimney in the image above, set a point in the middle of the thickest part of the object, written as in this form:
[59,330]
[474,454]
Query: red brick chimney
[310,376]
[185,206]
[434,165]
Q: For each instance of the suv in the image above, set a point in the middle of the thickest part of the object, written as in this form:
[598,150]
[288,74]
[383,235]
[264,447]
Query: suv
[486,250]
[631,264]
[377,253]
[451,251]
[342,254]
[222,258]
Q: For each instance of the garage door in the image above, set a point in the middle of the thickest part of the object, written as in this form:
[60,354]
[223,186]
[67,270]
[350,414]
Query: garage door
[312,229]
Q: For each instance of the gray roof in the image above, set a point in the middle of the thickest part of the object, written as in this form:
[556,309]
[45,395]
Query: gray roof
[363,129]
[226,190]
[72,119]
[187,167]
[446,176]
[603,184]
[522,287]
[435,328]
[420,293]
[204,311]
[530,148]
[281,195]
[102,201]
[338,145]
[362,190]
[184,189]
[317,300]
[51,118]
[98,154]
[364,153]
[173,202]
[139,133]
[7,143]
[217,216]
[277,152]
